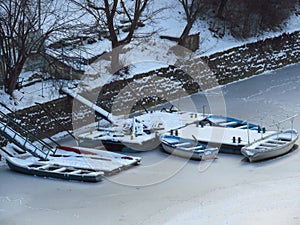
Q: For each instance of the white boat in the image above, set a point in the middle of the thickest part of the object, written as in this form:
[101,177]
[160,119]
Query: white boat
[71,163]
[271,146]
[117,141]
[187,148]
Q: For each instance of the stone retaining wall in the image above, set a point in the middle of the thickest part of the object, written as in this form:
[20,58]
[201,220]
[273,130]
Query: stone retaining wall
[231,65]
[255,58]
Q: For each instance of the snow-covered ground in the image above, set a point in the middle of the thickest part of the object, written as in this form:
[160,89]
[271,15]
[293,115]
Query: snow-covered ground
[210,44]
[171,190]
[149,55]
[171,22]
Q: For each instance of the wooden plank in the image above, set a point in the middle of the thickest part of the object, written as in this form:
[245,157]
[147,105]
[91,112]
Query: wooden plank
[59,170]
[182,144]
[194,148]
[75,172]
[228,123]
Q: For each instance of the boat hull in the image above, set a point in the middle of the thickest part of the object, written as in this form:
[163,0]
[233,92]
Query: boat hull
[269,155]
[190,155]
[253,153]
[121,144]
[197,154]
[115,146]
[32,169]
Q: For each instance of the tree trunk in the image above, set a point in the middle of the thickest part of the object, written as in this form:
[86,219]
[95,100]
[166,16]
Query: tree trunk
[12,82]
[185,33]
[115,62]
[191,12]
[221,8]
[12,77]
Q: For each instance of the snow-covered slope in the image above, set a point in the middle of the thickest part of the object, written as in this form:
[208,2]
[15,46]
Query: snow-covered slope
[169,22]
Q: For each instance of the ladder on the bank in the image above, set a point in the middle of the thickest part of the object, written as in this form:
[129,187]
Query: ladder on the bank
[25,139]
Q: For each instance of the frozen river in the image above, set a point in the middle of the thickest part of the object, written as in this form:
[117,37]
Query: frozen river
[228,191]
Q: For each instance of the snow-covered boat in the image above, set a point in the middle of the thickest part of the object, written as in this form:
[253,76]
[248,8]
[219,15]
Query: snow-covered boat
[117,141]
[187,148]
[140,133]
[271,146]
[223,121]
[70,163]
[46,169]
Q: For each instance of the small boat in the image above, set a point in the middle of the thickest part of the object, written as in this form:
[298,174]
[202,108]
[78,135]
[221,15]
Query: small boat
[69,163]
[187,148]
[23,162]
[45,169]
[271,146]
[119,142]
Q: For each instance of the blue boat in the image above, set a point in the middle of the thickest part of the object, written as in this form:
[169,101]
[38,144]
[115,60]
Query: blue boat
[223,121]
[190,149]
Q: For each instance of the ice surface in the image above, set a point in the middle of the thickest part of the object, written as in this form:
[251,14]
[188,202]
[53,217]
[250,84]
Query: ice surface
[226,191]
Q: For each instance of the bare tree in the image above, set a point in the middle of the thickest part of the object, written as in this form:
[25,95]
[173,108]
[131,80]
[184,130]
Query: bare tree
[248,18]
[108,15]
[25,25]
[119,19]
[192,9]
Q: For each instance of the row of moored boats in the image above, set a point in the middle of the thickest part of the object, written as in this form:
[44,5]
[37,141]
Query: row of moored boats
[190,135]
[193,135]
